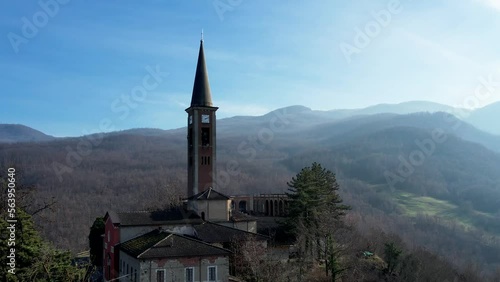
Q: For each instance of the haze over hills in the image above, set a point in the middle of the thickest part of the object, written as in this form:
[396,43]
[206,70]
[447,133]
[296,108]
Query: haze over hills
[402,108]
[483,118]
[447,198]
[10,133]
[487,118]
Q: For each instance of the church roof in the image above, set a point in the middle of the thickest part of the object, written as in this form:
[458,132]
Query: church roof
[201,89]
[162,244]
[173,215]
[209,194]
[216,233]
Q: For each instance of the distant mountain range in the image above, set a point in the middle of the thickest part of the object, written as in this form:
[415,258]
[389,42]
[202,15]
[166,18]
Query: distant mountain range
[397,165]
[487,118]
[11,133]
[484,119]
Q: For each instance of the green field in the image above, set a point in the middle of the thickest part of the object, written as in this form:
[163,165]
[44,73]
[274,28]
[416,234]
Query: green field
[414,205]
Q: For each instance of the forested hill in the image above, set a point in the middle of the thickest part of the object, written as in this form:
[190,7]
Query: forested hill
[11,133]
[430,178]
[487,118]
[483,118]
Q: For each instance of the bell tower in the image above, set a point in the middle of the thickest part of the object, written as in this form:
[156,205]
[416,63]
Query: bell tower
[201,132]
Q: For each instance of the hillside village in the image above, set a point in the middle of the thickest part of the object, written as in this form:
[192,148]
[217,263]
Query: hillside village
[194,241]
[314,141]
[211,231]
[153,233]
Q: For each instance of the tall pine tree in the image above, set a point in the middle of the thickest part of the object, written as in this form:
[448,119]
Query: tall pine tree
[314,198]
[315,211]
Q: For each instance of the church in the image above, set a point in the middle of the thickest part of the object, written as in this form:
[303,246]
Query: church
[191,242]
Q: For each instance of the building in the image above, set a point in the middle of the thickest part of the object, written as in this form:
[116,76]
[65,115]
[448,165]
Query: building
[121,227]
[261,205]
[191,242]
[163,256]
[216,207]
[201,141]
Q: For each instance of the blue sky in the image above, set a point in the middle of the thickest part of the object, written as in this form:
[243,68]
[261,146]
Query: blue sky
[70,73]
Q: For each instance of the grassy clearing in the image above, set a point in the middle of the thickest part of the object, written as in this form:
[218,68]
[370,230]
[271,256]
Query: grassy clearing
[414,205]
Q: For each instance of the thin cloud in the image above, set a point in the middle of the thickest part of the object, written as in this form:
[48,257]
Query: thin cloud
[227,109]
[445,52]
[492,3]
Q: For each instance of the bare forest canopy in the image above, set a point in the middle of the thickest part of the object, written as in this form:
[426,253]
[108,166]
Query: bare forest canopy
[430,178]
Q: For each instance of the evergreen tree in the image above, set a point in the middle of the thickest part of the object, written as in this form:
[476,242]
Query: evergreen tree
[315,211]
[392,253]
[314,198]
[95,241]
[27,246]
[35,260]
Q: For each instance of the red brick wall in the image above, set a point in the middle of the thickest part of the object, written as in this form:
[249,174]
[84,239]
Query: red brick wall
[110,241]
[204,172]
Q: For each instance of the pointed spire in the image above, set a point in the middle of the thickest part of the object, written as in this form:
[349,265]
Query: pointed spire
[201,89]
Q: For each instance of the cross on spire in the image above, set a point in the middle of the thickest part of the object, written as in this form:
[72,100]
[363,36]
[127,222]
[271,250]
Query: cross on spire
[201,89]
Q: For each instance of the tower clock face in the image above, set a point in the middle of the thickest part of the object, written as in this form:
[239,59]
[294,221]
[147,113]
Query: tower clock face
[205,119]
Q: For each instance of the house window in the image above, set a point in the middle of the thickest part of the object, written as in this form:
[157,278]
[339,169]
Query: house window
[189,274]
[212,273]
[160,275]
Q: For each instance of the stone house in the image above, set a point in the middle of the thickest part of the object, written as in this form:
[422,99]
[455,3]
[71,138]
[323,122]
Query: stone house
[163,256]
